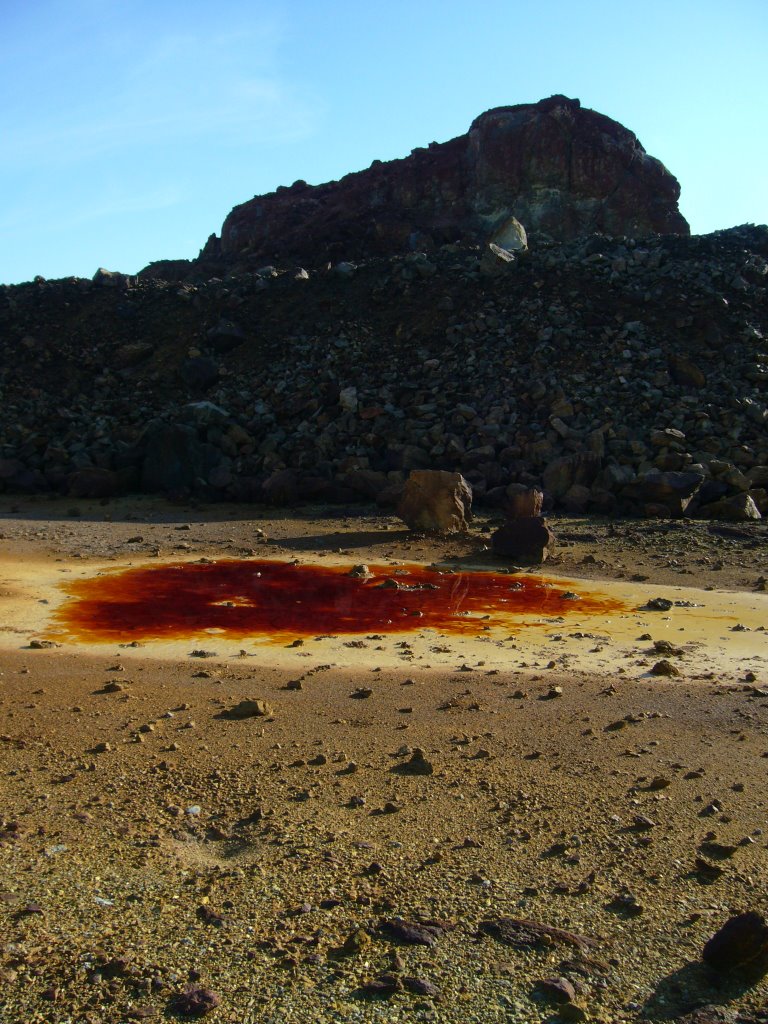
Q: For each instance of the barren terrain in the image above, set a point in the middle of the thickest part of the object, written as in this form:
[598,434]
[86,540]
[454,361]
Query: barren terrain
[151,841]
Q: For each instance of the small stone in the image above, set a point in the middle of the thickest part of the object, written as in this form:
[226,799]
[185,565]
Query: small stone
[659,782]
[416,765]
[355,942]
[421,987]
[719,851]
[557,990]
[412,933]
[250,709]
[384,985]
[210,916]
[194,1001]
[552,693]
[664,668]
[640,821]
[361,693]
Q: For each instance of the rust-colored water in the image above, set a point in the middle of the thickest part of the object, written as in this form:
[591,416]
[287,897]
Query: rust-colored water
[239,599]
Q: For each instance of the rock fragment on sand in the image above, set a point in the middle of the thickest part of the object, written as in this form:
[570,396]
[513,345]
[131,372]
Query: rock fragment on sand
[557,990]
[194,1001]
[741,943]
[361,693]
[417,764]
[413,933]
[665,668]
[356,942]
[525,934]
[249,709]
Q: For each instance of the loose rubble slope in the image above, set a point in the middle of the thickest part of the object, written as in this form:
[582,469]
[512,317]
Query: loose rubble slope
[582,365]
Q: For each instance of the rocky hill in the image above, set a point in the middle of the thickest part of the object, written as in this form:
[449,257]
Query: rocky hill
[622,373]
[562,170]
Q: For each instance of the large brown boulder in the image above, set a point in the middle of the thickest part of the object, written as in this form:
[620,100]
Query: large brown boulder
[557,167]
[436,500]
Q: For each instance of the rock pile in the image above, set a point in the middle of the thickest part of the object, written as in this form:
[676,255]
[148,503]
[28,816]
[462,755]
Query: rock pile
[615,374]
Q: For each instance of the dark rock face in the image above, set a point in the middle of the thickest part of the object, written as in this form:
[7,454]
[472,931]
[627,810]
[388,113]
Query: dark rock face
[562,170]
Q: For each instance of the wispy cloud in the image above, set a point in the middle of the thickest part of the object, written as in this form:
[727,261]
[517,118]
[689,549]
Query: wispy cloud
[185,87]
[100,204]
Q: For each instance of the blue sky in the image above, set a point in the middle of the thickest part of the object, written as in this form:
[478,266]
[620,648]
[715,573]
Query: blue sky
[130,128]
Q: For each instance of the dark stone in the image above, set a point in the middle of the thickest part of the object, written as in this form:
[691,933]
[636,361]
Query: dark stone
[525,934]
[526,540]
[711,490]
[670,491]
[93,482]
[199,373]
[176,460]
[741,943]
[557,990]
[736,508]
[281,488]
[225,336]
[415,765]
[520,502]
[194,1001]
[685,372]
[563,473]
[412,933]
[421,987]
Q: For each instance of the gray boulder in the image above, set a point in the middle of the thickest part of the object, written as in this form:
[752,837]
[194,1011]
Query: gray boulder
[736,508]
[664,493]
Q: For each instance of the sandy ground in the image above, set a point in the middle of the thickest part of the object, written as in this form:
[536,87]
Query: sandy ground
[148,841]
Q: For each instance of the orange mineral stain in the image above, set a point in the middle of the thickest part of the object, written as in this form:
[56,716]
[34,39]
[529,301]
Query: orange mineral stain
[271,599]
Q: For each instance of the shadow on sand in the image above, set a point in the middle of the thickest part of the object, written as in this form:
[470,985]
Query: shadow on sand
[342,539]
[697,987]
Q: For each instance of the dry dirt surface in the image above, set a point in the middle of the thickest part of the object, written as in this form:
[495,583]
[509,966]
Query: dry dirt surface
[354,849]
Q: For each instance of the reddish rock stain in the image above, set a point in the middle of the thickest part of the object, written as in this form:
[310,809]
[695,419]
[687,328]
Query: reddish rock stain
[276,600]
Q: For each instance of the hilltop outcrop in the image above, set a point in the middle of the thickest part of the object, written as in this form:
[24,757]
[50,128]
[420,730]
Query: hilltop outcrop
[562,170]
